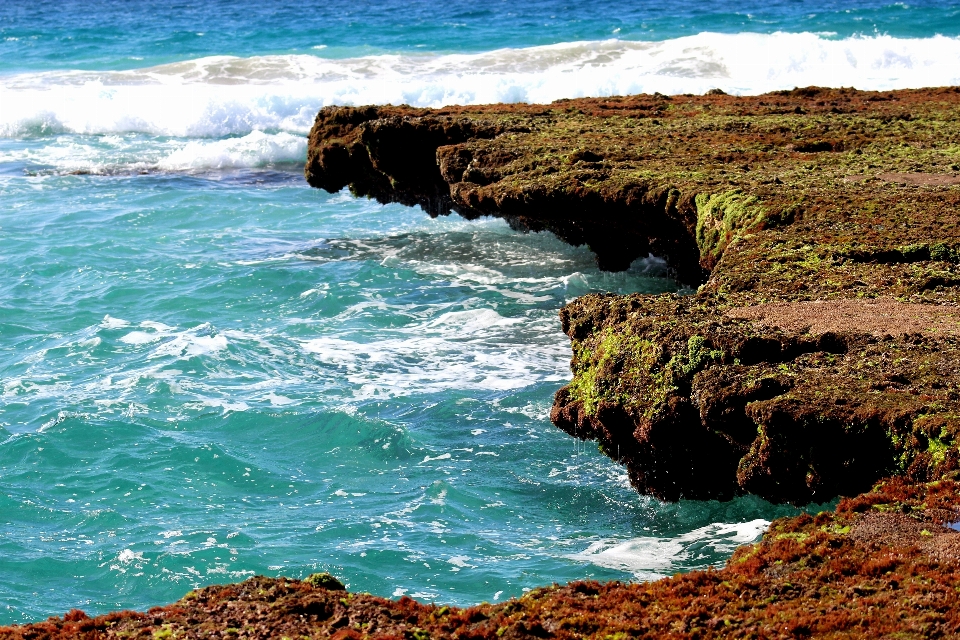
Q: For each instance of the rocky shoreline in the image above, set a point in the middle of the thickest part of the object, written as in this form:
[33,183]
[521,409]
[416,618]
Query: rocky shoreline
[884,565]
[819,355]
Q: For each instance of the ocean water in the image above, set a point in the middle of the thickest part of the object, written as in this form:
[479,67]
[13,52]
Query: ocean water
[210,371]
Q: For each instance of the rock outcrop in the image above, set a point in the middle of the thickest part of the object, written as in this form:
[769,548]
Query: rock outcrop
[820,352]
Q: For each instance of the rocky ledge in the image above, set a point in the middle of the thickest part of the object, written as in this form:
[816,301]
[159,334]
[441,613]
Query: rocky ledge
[821,350]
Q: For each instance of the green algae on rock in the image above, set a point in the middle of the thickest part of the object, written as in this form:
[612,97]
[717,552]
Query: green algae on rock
[768,203]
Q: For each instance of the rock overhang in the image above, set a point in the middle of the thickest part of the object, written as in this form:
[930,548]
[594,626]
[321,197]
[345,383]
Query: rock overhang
[819,225]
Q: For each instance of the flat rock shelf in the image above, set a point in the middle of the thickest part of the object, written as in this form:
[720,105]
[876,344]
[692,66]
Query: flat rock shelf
[820,351]
[819,356]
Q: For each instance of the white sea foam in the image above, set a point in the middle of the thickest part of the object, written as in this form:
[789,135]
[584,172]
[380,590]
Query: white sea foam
[130,153]
[255,149]
[650,557]
[471,321]
[226,405]
[222,95]
[128,559]
[454,350]
[113,323]
[140,337]
[156,326]
[278,400]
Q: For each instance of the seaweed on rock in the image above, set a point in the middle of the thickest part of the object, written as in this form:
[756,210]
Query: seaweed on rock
[835,198]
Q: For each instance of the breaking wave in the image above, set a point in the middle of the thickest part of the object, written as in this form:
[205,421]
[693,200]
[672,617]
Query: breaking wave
[222,96]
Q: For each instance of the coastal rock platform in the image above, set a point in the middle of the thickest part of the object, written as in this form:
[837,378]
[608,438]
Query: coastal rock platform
[818,357]
[820,352]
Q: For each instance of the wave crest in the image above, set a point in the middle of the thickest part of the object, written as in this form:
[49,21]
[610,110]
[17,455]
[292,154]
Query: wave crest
[132,154]
[220,96]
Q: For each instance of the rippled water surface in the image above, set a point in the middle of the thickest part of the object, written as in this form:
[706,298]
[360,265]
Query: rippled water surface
[209,370]
[210,376]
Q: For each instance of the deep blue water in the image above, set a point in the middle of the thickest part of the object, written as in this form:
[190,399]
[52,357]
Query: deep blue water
[209,370]
[112,34]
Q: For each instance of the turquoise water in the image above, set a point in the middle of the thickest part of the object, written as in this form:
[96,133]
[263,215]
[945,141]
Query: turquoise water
[211,376]
[209,370]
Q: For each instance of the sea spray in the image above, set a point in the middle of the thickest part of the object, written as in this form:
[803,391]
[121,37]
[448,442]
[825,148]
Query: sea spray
[224,96]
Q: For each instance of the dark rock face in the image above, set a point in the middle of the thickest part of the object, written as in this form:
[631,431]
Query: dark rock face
[387,156]
[699,404]
[775,203]
[438,160]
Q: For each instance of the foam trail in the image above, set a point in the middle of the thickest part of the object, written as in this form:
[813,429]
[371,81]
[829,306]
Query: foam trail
[650,558]
[133,153]
[221,96]
[255,149]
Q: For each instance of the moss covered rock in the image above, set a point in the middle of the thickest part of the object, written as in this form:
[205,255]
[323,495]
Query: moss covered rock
[820,226]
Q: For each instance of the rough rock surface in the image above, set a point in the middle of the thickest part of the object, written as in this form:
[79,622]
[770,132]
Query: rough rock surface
[820,352]
[884,565]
